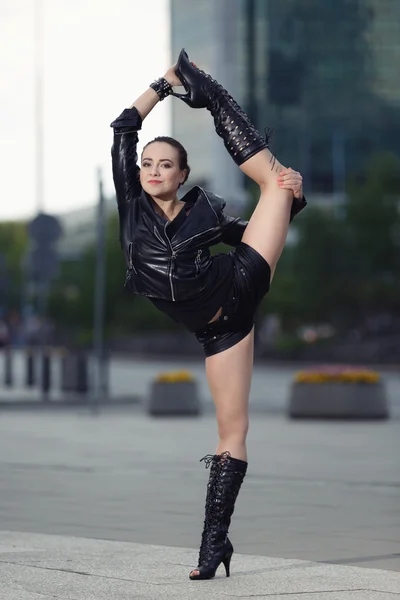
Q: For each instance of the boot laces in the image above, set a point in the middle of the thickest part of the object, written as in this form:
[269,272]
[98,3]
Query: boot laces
[268,131]
[217,94]
[208,458]
[215,511]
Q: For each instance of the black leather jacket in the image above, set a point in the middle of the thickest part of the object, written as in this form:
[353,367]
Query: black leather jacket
[157,266]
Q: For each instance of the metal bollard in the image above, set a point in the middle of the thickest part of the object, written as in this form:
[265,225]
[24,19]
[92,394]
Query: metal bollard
[46,375]
[8,370]
[30,369]
[74,374]
[81,374]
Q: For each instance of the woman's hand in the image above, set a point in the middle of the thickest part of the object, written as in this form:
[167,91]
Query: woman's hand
[291,180]
[171,77]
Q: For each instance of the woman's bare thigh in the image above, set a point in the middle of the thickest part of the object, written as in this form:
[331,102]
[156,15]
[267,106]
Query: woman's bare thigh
[268,225]
[229,379]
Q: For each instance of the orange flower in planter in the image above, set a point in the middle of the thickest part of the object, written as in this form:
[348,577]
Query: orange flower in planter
[174,377]
[337,374]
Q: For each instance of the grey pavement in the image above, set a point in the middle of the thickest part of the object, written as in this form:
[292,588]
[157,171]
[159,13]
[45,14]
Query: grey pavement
[38,567]
[318,515]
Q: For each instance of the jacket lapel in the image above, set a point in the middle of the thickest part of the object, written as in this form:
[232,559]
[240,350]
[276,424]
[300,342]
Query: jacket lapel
[203,216]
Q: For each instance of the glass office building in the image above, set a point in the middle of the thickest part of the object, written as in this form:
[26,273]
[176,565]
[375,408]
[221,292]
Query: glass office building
[322,75]
[207,30]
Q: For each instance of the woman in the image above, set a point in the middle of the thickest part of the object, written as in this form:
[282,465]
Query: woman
[166,243]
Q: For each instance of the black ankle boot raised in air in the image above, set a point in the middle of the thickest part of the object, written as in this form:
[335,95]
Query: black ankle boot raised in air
[241,138]
[226,477]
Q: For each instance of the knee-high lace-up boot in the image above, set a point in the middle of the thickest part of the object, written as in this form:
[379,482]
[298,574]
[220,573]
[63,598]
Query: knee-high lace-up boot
[241,138]
[226,477]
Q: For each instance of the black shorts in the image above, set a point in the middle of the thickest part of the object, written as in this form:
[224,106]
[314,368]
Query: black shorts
[250,283]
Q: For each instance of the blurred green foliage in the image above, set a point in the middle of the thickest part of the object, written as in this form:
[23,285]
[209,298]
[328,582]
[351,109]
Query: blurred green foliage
[13,244]
[344,266]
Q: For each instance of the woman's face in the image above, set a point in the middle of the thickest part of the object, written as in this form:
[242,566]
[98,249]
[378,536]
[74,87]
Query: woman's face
[160,174]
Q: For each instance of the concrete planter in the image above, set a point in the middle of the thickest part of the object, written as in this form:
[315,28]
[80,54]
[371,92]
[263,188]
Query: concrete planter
[173,398]
[338,401]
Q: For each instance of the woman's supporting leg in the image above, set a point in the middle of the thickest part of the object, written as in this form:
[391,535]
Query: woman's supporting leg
[229,379]
[268,226]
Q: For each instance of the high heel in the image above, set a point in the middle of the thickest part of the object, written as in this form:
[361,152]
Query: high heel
[192,80]
[241,138]
[226,477]
[227,562]
[213,560]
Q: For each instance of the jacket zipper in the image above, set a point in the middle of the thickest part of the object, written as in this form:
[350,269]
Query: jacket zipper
[158,236]
[131,267]
[173,255]
[194,236]
[197,261]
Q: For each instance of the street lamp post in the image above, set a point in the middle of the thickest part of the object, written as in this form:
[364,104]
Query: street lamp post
[38,82]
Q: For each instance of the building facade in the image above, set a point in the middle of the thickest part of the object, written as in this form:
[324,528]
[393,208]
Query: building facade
[322,75]
[207,30]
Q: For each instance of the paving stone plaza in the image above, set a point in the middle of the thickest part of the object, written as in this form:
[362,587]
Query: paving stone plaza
[111,506]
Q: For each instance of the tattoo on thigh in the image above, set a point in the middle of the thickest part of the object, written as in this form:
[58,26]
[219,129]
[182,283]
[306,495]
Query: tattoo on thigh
[275,166]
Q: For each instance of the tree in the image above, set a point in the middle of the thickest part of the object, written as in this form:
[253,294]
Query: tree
[373,218]
[319,266]
[13,245]
[72,299]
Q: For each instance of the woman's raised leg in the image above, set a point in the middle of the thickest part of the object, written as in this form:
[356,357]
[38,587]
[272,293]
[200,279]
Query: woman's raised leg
[268,226]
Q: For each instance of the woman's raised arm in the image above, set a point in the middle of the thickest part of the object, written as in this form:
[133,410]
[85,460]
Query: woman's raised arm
[147,101]
[126,172]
